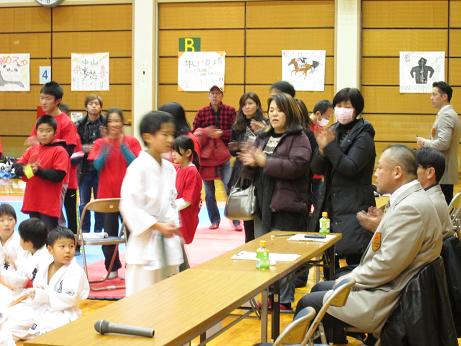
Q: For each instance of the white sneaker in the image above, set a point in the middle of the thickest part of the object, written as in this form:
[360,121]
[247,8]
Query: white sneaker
[112,275]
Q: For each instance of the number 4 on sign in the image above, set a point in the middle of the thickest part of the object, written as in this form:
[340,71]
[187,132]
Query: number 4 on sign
[45,74]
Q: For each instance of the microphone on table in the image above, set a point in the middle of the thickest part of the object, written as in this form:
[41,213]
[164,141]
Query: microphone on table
[104,327]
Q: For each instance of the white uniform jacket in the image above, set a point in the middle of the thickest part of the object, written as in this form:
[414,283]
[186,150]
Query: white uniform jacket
[148,196]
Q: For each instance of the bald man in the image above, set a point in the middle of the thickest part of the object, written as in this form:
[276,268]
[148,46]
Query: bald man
[408,237]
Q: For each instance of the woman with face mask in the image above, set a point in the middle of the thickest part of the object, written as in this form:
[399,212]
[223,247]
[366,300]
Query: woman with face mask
[345,157]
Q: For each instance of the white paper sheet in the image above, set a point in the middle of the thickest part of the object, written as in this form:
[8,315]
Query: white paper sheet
[273,257]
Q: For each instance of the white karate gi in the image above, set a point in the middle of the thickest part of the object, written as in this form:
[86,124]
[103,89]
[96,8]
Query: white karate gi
[9,272]
[53,305]
[148,196]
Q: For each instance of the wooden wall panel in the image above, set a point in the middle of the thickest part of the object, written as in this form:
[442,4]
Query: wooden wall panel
[38,45]
[25,19]
[35,68]
[14,146]
[383,71]
[404,14]
[455,42]
[118,96]
[262,42]
[310,98]
[384,42]
[230,41]
[119,70]
[19,122]
[260,70]
[455,73]
[387,99]
[287,14]
[168,70]
[455,10]
[20,100]
[253,45]
[456,99]
[202,15]
[401,127]
[92,18]
[191,101]
[117,43]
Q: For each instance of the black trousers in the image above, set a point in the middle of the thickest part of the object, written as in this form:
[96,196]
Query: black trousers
[50,222]
[333,326]
[249,227]
[111,226]
[70,205]
[447,191]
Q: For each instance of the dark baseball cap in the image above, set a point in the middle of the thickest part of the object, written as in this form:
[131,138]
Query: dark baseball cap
[215,87]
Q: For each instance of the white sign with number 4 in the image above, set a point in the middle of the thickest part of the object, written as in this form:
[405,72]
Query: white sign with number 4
[45,74]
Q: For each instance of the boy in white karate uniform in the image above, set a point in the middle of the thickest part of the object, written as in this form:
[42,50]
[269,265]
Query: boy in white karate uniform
[11,252]
[148,208]
[57,290]
[32,233]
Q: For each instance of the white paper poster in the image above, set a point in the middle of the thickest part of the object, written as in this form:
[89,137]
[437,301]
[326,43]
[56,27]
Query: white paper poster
[44,74]
[14,72]
[305,69]
[418,70]
[90,72]
[199,71]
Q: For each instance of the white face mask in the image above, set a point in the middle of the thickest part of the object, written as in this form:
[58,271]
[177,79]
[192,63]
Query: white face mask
[344,115]
[323,122]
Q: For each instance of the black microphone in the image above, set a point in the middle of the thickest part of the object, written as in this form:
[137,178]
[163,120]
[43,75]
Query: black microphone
[104,327]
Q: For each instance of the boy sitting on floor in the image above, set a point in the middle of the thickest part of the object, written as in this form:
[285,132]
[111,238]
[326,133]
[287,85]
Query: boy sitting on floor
[11,252]
[57,290]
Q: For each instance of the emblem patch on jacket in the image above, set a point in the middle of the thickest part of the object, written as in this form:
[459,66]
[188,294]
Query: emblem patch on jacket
[376,241]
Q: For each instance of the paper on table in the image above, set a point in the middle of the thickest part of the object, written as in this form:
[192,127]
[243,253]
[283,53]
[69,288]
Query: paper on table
[277,257]
[302,237]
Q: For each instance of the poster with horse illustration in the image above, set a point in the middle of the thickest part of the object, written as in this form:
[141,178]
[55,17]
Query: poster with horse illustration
[14,72]
[305,69]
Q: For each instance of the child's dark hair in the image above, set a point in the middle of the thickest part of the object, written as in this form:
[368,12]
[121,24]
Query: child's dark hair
[152,122]
[33,230]
[179,115]
[322,106]
[58,233]
[7,209]
[117,111]
[47,119]
[183,143]
[53,89]
[284,87]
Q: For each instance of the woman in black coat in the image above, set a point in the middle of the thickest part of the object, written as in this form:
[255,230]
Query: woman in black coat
[346,156]
[249,121]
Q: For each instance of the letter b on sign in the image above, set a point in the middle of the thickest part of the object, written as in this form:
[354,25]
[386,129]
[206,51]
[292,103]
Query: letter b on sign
[189,44]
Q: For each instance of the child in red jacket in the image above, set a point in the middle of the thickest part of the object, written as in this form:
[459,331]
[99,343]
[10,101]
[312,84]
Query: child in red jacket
[44,166]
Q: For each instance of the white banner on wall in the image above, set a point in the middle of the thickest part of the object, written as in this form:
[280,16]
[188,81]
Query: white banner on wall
[305,69]
[199,71]
[90,72]
[418,70]
[14,72]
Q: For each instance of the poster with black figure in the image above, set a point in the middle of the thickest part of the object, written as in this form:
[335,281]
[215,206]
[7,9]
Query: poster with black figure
[418,70]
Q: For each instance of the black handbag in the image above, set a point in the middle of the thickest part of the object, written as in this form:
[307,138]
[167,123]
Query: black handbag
[241,202]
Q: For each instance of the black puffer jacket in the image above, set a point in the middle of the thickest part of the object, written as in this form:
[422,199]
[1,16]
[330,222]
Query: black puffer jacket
[347,165]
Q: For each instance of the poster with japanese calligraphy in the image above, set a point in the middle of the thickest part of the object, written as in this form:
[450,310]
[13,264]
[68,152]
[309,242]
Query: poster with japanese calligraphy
[418,70]
[199,71]
[14,72]
[304,69]
[90,72]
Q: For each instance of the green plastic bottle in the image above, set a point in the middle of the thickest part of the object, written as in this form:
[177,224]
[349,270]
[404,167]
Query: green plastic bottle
[324,223]
[262,256]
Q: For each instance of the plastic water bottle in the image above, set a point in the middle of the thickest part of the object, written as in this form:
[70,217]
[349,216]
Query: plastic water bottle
[324,223]
[262,256]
